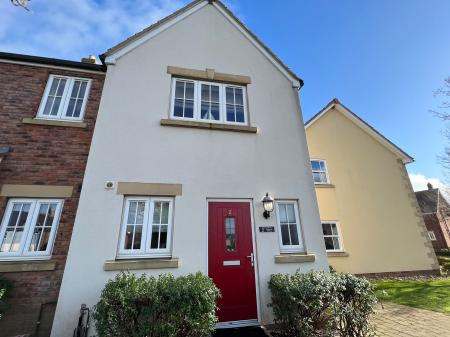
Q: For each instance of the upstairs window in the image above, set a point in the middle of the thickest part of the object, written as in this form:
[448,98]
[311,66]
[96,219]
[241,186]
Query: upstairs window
[64,98]
[319,171]
[28,228]
[208,102]
[146,227]
[431,236]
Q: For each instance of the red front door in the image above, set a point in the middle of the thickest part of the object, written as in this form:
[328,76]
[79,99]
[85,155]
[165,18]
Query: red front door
[230,259]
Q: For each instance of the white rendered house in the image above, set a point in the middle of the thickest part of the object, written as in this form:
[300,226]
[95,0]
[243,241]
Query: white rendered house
[198,121]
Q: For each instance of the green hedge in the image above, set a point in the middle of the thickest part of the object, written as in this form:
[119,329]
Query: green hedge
[165,306]
[322,304]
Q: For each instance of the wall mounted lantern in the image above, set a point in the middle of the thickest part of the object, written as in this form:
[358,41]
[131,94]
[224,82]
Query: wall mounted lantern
[268,205]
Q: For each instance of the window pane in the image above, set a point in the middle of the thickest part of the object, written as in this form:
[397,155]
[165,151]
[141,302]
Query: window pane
[215,93]
[189,109]
[137,237]
[326,227]
[15,244]
[329,243]
[132,212]
[54,86]
[290,213]
[163,237]
[315,164]
[129,237]
[71,107]
[206,93]
[62,84]
[334,229]
[294,234]
[82,92]
[318,177]
[178,108]
[205,111]
[283,215]
[7,239]
[190,90]
[230,95]
[230,234]
[165,213]
[215,112]
[179,90]
[157,213]
[239,96]
[285,235]
[140,213]
[55,107]
[240,114]
[230,113]
[42,214]
[336,243]
[75,89]
[48,106]
[155,237]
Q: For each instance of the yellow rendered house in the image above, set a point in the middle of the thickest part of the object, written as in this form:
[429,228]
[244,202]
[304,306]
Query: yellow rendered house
[370,217]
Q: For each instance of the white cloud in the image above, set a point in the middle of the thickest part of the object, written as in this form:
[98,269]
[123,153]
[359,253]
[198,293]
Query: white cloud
[75,28]
[419,182]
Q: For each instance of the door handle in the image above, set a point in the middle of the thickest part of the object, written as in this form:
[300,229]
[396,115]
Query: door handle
[251,259]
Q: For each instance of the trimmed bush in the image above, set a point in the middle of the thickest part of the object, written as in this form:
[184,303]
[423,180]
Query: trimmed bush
[165,306]
[319,304]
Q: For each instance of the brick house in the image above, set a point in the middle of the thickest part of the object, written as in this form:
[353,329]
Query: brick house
[48,109]
[436,213]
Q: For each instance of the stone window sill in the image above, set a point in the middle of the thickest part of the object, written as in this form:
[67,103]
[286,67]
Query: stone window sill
[323,185]
[294,258]
[210,126]
[137,264]
[337,254]
[23,266]
[37,121]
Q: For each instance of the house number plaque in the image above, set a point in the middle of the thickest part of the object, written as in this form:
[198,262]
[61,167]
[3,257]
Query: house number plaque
[266,229]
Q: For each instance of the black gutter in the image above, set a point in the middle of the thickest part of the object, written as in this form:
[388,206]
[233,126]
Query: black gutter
[52,61]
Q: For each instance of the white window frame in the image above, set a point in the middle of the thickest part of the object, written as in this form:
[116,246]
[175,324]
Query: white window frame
[290,248]
[145,251]
[339,236]
[432,236]
[197,102]
[326,171]
[22,253]
[65,99]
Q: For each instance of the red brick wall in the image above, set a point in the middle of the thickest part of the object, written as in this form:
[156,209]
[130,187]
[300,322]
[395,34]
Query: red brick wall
[45,155]
[432,223]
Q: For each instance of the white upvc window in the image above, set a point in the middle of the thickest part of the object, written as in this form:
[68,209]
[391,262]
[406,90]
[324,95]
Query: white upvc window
[332,236]
[64,98]
[319,171]
[289,229]
[28,228]
[208,102]
[146,227]
[431,235]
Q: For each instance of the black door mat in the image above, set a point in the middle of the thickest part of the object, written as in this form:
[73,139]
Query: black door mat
[241,332]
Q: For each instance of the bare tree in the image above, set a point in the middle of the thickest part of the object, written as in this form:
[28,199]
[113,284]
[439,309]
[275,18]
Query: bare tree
[443,112]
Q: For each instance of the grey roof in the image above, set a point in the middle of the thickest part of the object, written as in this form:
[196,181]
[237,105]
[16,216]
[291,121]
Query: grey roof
[432,199]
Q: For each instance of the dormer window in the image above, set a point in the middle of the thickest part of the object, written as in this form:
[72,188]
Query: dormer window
[64,98]
[208,102]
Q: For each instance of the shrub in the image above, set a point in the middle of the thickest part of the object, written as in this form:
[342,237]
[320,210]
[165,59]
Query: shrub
[165,306]
[5,286]
[319,304]
[355,306]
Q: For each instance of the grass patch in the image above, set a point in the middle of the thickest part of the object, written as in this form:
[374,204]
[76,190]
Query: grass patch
[431,294]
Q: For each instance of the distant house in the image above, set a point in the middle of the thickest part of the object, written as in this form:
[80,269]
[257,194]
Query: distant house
[436,214]
[371,221]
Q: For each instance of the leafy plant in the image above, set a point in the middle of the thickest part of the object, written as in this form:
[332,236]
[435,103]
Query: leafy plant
[5,286]
[319,304]
[165,306]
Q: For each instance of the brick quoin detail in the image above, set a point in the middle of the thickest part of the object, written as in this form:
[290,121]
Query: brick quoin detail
[42,155]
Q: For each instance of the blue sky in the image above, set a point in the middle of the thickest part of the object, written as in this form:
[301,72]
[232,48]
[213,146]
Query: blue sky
[382,59]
